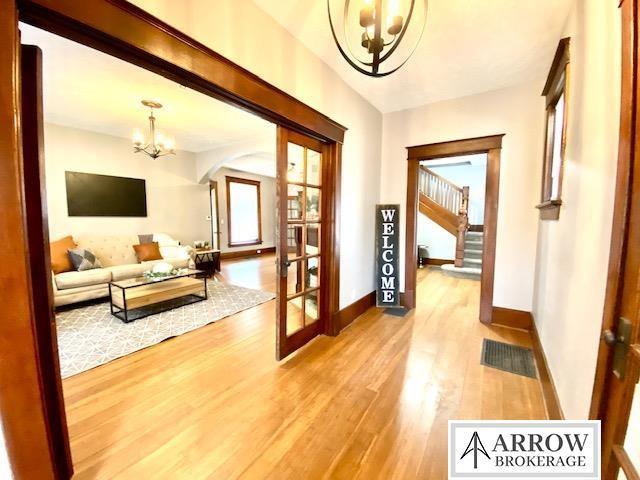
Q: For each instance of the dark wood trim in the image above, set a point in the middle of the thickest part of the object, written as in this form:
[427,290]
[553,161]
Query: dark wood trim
[411,235]
[557,85]
[23,395]
[126,31]
[213,193]
[118,28]
[38,234]
[622,201]
[612,396]
[490,145]
[348,314]
[455,148]
[491,202]
[247,253]
[560,60]
[550,210]
[439,261]
[229,180]
[332,190]
[629,469]
[549,393]
[508,317]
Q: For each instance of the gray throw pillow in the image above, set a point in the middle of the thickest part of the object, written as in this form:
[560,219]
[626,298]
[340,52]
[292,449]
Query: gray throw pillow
[82,259]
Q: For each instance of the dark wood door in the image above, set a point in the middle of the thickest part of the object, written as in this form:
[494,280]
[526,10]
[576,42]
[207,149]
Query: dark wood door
[616,394]
[39,260]
[301,300]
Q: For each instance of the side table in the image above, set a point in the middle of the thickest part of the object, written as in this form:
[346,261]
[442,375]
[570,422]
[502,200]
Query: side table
[208,260]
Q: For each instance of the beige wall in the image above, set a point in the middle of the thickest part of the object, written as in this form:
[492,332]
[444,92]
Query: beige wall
[573,252]
[234,29]
[267,207]
[516,112]
[176,204]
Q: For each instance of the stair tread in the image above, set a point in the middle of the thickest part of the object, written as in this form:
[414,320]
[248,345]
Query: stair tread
[477,261]
[452,268]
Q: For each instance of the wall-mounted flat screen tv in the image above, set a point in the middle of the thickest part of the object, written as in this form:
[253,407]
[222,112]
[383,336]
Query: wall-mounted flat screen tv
[90,195]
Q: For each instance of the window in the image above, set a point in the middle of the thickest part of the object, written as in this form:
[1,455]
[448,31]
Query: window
[243,212]
[555,93]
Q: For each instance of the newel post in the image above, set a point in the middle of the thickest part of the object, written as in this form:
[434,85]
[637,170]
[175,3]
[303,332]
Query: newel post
[463,226]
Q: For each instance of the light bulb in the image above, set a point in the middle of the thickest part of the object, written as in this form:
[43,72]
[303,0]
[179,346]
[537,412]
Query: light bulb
[138,138]
[169,143]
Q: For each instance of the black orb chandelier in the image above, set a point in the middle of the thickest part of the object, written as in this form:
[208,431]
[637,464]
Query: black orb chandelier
[382,32]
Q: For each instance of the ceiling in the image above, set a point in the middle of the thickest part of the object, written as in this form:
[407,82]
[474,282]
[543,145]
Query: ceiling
[468,47]
[260,163]
[87,89]
[478,159]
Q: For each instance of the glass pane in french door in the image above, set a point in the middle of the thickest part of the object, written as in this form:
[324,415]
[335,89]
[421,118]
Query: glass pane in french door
[304,223]
[632,440]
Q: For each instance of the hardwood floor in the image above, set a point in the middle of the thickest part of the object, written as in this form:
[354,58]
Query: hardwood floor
[254,272]
[371,403]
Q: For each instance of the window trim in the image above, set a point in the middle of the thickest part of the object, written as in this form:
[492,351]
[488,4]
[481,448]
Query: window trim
[556,86]
[246,181]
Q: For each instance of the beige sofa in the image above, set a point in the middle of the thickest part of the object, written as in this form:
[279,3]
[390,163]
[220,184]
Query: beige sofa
[119,262]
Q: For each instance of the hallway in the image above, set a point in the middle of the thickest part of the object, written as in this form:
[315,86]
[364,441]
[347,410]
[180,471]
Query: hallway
[371,403]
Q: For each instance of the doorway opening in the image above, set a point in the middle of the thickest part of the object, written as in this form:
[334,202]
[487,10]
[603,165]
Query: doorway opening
[448,204]
[154,198]
[215,215]
[450,229]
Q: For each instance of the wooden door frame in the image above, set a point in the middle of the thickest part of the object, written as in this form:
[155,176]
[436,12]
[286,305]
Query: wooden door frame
[213,193]
[623,250]
[492,146]
[131,34]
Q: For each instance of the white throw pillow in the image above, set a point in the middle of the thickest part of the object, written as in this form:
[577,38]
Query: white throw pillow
[165,240]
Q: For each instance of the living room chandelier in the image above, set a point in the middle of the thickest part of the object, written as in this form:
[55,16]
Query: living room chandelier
[158,145]
[378,28]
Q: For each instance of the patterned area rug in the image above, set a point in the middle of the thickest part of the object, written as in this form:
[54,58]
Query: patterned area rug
[90,336]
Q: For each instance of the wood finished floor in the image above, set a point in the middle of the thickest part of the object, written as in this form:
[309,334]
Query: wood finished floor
[371,403]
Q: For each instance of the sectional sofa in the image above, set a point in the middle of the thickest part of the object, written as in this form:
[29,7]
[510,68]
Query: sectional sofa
[119,262]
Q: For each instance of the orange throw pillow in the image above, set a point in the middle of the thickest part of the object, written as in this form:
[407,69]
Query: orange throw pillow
[59,251]
[147,252]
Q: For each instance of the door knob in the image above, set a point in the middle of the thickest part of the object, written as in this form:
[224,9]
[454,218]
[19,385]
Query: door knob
[619,341]
[609,338]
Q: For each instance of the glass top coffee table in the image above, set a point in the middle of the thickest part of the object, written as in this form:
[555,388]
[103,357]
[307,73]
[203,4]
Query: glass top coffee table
[139,297]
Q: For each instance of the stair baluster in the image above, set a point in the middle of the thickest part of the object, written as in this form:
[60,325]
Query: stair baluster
[451,198]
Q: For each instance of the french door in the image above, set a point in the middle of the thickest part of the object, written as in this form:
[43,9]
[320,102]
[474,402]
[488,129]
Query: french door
[617,393]
[301,298]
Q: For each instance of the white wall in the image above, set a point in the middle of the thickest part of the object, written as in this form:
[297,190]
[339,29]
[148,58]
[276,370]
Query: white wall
[234,28]
[176,204]
[442,245]
[516,112]
[267,207]
[5,467]
[573,252]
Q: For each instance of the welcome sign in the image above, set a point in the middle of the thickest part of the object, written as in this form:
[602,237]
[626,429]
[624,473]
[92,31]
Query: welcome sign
[387,253]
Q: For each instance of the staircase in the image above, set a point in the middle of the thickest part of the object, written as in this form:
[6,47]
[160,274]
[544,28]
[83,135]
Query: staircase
[448,205]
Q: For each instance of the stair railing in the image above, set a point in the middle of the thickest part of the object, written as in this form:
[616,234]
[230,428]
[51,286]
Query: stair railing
[453,198]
